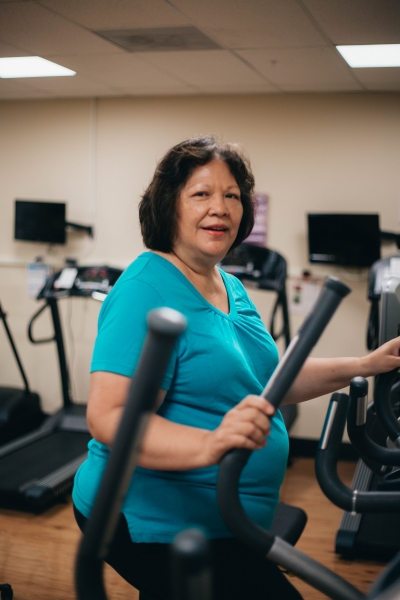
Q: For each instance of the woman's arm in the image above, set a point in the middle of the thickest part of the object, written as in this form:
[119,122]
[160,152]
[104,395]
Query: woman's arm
[168,445]
[321,376]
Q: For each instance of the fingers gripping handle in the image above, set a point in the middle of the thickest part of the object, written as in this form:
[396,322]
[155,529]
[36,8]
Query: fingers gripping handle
[235,460]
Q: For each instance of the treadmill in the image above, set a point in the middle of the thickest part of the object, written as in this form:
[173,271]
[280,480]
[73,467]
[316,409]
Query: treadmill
[37,469]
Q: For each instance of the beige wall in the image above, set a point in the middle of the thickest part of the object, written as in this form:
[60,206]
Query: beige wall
[309,153]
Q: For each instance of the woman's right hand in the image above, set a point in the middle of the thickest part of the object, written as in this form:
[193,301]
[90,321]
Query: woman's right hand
[244,426]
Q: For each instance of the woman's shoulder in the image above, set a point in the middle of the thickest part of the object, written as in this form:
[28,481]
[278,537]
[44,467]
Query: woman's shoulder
[143,267]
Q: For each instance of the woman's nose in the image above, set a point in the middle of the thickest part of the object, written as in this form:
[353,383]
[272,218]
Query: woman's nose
[218,204]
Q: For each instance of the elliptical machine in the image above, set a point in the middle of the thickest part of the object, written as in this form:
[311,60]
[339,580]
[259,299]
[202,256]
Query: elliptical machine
[375,429]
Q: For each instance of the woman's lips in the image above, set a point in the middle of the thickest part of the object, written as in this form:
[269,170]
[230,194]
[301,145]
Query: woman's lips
[215,232]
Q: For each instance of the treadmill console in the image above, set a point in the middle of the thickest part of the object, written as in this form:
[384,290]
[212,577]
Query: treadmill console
[90,281]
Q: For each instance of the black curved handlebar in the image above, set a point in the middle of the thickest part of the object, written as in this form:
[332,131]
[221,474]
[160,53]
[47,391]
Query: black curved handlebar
[30,328]
[234,461]
[357,431]
[326,460]
[383,405]
[165,325]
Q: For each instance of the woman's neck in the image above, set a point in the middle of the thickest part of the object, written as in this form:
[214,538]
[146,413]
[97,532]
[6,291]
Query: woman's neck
[205,278]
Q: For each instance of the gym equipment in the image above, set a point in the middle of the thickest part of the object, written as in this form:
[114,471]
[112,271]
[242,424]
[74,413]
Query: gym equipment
[37,469]
[372,527]
[142,394]
[376,536]
[20,409]
[6,591]
[378,272]
[233,462]
[164,327]
[191,573]
[265,269]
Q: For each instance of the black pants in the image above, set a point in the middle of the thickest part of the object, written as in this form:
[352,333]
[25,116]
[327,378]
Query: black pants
[238,573]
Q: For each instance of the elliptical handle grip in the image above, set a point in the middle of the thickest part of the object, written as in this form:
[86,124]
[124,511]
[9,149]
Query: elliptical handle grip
[298,350]
[234,461]
[300,347]
[165,324]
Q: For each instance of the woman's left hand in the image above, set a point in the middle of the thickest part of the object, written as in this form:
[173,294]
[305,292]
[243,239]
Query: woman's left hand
[383,359]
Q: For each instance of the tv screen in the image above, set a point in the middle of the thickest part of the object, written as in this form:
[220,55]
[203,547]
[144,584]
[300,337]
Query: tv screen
[40,221]
[350,240]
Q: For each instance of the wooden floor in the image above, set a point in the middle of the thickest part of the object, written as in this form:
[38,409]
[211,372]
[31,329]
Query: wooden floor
[37,552]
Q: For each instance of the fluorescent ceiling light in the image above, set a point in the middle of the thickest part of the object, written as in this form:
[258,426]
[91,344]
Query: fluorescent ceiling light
[377,55]
[31,66]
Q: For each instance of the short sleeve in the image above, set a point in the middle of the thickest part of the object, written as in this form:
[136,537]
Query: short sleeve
[123,328]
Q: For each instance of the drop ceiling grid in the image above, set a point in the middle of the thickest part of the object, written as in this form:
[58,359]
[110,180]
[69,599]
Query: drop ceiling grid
[39,31]
[125,14]
[123,71]
[297,34]
[204,67]
[357,21]
[305,66]
[252,24]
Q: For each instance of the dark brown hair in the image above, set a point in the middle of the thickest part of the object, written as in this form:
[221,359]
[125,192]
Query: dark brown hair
[157,209]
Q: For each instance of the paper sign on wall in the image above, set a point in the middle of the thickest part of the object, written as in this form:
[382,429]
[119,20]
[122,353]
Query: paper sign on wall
[303,293]
[258,235]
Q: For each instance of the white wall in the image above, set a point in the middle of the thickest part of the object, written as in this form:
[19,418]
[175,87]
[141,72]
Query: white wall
[309,153]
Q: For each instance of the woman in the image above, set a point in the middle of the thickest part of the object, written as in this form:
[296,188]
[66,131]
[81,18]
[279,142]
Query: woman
[197,207]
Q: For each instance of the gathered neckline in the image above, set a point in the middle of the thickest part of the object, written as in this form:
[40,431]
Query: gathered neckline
[232,307]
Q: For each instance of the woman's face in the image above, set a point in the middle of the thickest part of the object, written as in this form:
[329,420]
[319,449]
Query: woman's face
[209,214]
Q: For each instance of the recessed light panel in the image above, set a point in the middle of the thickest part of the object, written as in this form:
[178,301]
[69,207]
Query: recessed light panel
[376,55]
[31,66]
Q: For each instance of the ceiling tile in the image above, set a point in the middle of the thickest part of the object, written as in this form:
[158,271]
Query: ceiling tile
[236,89]
[381,76]
[39,31]
[377,86]
[9,50]
[117,70]
[313,68]
[253,23]
[10,89]
[358,21]
[178,89]
[322,87]
[204,67]
[78,85]
[120,14]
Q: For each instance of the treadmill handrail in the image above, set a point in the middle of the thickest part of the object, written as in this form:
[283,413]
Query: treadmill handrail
[3,317]
[357,429]
[234,461]
[165,325]
[30,328]
[326,460]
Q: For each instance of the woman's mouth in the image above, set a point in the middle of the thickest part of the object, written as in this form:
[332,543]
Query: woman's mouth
[216,231]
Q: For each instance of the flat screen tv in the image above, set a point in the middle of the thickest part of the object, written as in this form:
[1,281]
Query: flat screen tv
[37,221]
[350,240]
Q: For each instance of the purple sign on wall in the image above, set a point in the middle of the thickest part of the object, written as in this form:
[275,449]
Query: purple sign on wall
[258,235]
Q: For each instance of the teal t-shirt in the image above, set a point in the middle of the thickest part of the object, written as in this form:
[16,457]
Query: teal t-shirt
[218,360]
